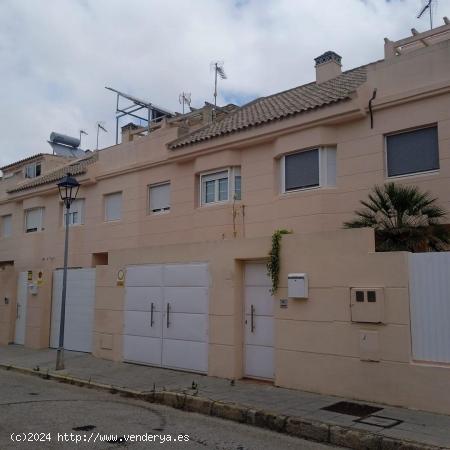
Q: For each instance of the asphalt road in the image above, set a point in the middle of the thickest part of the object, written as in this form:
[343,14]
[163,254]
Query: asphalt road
[47,414]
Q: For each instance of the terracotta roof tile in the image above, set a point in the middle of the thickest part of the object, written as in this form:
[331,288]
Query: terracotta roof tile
[279,106]
[77,167]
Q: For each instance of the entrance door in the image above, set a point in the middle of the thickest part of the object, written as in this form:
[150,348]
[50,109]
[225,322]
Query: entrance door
[258,322]
[166,316]
[80,300]
[21,308]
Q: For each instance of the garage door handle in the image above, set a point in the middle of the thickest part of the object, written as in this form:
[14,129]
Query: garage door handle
[152,306]
[252,320]
[168,315]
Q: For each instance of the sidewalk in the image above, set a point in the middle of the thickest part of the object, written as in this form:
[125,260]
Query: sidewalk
[295,412]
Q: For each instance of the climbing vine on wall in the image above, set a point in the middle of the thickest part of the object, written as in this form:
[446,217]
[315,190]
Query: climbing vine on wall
[273,266]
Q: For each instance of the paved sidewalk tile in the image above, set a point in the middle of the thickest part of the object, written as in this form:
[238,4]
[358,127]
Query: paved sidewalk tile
[424,427]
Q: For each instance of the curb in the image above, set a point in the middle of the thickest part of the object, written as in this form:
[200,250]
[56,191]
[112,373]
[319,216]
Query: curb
[295,426]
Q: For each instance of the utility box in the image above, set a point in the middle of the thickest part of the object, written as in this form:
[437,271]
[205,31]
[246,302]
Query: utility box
[369,346]
[298,285]
[367,305]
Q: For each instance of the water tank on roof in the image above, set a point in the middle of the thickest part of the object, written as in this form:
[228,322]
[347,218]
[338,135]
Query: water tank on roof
[58,138]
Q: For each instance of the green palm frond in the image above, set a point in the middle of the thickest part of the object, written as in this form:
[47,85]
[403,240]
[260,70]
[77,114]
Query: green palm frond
[404,218]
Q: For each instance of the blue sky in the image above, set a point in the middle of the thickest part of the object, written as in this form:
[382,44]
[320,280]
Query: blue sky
[57,56]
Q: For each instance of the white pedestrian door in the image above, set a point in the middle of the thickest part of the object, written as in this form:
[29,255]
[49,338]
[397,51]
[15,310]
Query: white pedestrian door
[21,308]
[258,322]
[80,301]
[166,316]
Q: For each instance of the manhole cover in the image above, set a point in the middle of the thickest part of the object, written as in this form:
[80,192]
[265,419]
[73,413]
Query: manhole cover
[379,421]
[352,409]
[84,428]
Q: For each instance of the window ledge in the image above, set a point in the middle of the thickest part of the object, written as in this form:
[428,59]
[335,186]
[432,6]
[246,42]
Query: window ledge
[308,189]
[415,174]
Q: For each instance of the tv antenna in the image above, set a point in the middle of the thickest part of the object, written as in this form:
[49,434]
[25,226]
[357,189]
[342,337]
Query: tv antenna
[82,132]
[100,127]
[428,5]
[217,66]
[185,99]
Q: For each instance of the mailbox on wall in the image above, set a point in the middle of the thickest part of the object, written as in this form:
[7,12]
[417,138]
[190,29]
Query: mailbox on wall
[298,285]
[367,305]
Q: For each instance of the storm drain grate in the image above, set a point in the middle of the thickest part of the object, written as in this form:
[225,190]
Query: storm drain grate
[352,409]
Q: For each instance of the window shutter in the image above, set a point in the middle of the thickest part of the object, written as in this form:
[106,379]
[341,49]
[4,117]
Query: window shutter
[113,206]
[412,152]
[34,219]
[7,225]
[302,170]
[160,197]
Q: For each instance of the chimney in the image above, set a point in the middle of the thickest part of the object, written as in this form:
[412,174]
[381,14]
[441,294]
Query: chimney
[127,131]
[328,66]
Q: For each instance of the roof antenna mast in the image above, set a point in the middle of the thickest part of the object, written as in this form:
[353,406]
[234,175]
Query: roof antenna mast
[100,127]
[429,6]
[185,99]
[217,66]
[82,132]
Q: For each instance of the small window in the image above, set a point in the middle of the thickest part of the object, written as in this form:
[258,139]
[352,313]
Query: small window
[159,198]
[76,213]
[359,296]
[33,170]
[7,226]
[412,152]
[33,220]
[309,169]
[220,187]
[113,206]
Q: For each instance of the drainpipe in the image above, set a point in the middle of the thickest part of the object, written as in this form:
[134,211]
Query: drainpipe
[374,94]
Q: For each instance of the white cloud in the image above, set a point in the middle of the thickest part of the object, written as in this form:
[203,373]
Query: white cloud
[57,56]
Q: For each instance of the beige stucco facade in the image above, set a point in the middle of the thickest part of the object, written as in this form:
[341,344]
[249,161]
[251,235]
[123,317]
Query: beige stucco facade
[317,346]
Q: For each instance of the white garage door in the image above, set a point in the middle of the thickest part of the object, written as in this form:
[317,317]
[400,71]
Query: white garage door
[80,300]
[166,316]
[258,322]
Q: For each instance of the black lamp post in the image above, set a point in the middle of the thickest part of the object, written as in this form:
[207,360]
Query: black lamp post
[68,190]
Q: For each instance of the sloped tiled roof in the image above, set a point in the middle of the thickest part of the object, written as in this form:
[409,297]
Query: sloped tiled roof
[279,106]
[24,160]
[77,167]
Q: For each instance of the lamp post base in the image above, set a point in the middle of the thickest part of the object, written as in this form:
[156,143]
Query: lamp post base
[60,359]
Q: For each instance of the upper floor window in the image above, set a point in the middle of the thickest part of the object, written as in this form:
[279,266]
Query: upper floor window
[218,187]
[7,225]
[76,213]
[412,152]
[308,169]
[113,206]
[159,198]
[34,219]
[33,170]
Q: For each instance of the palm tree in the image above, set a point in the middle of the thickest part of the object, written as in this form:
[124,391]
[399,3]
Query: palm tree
[404,219]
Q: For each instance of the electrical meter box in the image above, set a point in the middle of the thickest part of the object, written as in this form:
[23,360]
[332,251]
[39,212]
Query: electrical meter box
[33,289]
[298,285]
[367,305]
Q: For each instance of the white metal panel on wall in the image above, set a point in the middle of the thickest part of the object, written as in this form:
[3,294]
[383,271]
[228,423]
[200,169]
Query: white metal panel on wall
[21,308]
[166,315]
[80,301]
[429,287]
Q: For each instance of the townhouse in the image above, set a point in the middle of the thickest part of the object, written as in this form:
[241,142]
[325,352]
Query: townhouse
[171,230]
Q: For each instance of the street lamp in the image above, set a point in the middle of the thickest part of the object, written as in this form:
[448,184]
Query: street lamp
[68,190]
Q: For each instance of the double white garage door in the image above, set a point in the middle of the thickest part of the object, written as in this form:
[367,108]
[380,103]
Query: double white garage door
[166,316]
